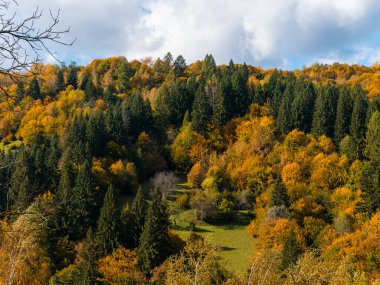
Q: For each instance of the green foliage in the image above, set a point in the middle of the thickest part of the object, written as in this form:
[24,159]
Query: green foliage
[34,89]
[137,217]
[107,231]
[279,194]
[358,119]
[343,114]
[154,245]
[60,81]
[72,77]
[291,251]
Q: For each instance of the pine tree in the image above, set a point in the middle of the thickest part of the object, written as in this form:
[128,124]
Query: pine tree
[60,82]
[208,67]
[154,245]
[343,114]
[284,117]
[179,66]
[239,90]
[89,259]
[202,112]
[347,147]
[370,182]
[324,112]
[34,89]
[279,194]
[372,149]
[107,233]
[139,114]
[72,78]
[137,217]
[82,201]
[303,105]
[109,94]
[291,251]
[358,119]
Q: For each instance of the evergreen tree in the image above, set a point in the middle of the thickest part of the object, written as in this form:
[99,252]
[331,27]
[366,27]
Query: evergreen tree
[124,72]
[372,149]
[343,114]
[324,112]
[239,90]
[358,119]
[109,94]
[138,113]
[96,134]
[60,82]
[137,217]
[291,251]
[202,112]
[279,194]
[347,147]
[370,182]
[34,89]
[72,78]
[154,245]
[107,234]
[82,201]
[303,105]
[284,117]
[208,67]
[259,95]
[179,66]
[89,259]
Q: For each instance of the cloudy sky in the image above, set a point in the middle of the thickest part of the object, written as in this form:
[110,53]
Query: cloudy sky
[270,33]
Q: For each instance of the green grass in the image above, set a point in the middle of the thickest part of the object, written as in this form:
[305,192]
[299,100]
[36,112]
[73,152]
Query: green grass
[230,237]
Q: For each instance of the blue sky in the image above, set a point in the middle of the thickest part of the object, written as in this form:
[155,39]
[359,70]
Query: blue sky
[285,34]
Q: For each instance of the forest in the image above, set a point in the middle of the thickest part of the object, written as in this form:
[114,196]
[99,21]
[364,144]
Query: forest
[92,156]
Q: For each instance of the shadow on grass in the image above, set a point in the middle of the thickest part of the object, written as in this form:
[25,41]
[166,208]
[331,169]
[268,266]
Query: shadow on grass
[226,248]
[239,219]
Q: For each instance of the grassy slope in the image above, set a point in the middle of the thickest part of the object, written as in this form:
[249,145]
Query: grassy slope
[230,237]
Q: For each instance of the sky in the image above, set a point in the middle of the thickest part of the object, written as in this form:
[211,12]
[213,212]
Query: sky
[285,34]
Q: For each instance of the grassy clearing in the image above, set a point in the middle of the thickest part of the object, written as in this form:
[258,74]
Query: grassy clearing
[230,237]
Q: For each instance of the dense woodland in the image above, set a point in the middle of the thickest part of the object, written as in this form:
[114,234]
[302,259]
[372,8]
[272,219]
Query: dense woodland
[298,150]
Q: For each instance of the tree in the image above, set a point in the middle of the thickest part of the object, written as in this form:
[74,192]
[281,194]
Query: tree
[343,114]
[19,37]
[302,106]
[179,66]
[197,264]
[60,81]
[372,149]
[279,194]
[202,111]
[165,182]
[72,77]
[358,119]
[137,217]
[34,89]
[107,235]
[284,117]
[291,251]
[324,112]
[154,245]
[89,259]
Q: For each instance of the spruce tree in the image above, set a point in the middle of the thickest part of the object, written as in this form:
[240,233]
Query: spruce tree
[107,233]
[81,204]
[109,94]
[179,66]
[202,112]
[358,119]
[89,259]
[34,89]
[137,217]
[60,82]
[279,194]
[303,105]
[370,182]
[343,114]
[72,78]
[324,112]
[291,251]
[154,245]
[239,91]
[284,117]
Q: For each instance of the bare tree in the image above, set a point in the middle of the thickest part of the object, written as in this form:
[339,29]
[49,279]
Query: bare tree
[23,42]
[165,182]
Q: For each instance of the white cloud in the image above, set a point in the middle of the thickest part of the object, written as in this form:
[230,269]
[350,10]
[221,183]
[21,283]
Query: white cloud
[264,32]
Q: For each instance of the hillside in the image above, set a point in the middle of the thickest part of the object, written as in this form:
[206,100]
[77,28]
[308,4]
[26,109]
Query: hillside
[139,172]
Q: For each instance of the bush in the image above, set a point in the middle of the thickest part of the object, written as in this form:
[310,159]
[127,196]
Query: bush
[183,201]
